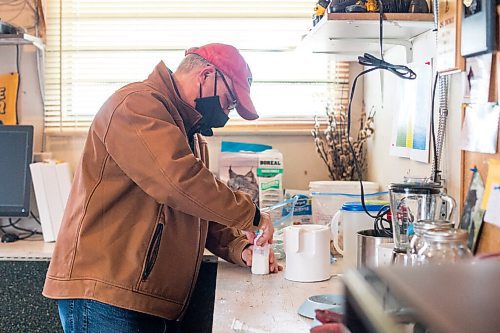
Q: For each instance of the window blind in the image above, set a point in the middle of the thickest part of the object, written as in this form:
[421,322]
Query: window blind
[95,47]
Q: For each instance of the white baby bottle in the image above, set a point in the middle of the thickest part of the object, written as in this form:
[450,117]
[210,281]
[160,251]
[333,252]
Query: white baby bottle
[260,256]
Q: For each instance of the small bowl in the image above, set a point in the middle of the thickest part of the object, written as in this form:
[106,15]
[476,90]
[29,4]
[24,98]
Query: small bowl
[331,302]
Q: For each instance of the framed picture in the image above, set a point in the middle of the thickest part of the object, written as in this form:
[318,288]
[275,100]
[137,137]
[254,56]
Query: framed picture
[478,27]
[449,57]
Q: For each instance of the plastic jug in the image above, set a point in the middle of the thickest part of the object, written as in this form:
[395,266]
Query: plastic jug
[353,219]
[307,249]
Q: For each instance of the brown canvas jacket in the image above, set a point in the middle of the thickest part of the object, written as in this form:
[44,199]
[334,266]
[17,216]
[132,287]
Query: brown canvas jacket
[135,225]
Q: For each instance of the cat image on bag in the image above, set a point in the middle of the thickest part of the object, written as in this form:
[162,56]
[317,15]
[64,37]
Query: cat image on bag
[246,183]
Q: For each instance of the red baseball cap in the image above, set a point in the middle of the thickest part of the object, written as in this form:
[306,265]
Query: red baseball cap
[229,61]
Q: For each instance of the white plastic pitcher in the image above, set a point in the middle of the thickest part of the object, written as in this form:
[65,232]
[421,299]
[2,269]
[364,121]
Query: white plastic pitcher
[353,219]
[327,197]
[307,249]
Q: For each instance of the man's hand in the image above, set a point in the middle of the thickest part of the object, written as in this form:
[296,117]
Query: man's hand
[246,255]
[266,225]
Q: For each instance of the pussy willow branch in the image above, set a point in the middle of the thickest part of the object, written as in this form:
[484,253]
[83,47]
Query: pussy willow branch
[332,145]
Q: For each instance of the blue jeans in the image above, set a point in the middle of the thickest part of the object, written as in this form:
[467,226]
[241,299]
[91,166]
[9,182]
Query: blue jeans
[88,316]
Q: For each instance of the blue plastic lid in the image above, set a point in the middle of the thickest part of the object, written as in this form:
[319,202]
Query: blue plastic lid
[358,207]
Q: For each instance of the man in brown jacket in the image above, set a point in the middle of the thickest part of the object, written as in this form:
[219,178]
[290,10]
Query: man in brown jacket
[144,205]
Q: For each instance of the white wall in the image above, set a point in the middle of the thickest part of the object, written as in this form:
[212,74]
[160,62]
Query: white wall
[302,163]
[384,168]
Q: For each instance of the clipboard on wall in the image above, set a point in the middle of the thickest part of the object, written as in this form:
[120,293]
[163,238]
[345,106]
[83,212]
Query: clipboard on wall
[448,49]
[9,84]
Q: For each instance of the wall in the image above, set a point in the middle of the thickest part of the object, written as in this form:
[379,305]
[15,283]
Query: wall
[302,163]
[30,109]
[30,106]
[384,168]
[30,101]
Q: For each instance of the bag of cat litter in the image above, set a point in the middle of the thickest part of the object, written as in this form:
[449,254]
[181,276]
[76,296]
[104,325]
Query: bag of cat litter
[270,178]
[252,170]
[239,172]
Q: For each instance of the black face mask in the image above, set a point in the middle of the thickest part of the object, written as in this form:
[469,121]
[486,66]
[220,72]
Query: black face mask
[213,115]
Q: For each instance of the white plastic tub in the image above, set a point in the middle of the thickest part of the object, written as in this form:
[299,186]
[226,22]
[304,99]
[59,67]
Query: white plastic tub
[327,197]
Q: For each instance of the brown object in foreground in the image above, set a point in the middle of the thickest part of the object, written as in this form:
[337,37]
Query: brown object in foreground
[328,328]
[328,316]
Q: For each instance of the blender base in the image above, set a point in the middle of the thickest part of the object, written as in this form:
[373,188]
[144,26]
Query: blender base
[400,258]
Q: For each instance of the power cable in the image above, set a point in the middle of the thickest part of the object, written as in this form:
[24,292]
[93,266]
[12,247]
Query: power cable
[18,82]
[400,71]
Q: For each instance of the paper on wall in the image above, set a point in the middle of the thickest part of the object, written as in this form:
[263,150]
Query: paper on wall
[411,124]
[480,128]
[477,79]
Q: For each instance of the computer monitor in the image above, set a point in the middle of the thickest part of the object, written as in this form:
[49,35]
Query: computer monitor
[16,152]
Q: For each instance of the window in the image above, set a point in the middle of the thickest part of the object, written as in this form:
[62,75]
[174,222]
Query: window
[94,47]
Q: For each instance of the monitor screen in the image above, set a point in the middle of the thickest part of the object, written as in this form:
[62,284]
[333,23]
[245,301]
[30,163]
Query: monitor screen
[16,151]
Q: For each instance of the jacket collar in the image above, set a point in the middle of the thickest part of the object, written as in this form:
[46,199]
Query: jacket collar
[161,79]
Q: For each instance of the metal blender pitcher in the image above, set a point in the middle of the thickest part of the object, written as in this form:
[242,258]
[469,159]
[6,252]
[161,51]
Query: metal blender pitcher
[413,200]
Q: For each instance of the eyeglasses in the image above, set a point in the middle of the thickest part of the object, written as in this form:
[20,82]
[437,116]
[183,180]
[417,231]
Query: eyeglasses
[234,101]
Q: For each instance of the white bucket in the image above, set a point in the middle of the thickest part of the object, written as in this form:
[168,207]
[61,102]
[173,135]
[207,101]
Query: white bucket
[327,197]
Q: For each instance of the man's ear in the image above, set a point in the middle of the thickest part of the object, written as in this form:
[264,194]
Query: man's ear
[205,73]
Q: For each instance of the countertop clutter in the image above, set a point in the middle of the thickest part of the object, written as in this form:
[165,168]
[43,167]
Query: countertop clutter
[266,303]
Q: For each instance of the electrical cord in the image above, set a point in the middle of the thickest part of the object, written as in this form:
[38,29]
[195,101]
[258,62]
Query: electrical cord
[381,28]
[400,71]
[436,171]
[37,220]
[18,82]
[13,224]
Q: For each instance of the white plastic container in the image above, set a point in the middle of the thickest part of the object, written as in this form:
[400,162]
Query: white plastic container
[353,219]
[307,250]
[260,257]
[329,196]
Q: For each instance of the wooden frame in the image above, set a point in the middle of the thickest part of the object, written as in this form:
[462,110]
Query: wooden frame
[449,58]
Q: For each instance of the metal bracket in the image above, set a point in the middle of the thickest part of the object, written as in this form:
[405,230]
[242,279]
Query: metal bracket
[408,45]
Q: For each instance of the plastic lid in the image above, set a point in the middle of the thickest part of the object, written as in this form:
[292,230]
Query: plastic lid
[337,185]
[358,207]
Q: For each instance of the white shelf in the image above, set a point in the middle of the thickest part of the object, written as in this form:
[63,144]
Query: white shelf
[21,39]
[349,35]
[26,250]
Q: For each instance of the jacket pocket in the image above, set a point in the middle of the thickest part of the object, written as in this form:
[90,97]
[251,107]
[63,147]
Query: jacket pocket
[152,253]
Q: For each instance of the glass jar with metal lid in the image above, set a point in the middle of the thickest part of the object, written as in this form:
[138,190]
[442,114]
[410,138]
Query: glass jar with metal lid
[419,227]
[444,245]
